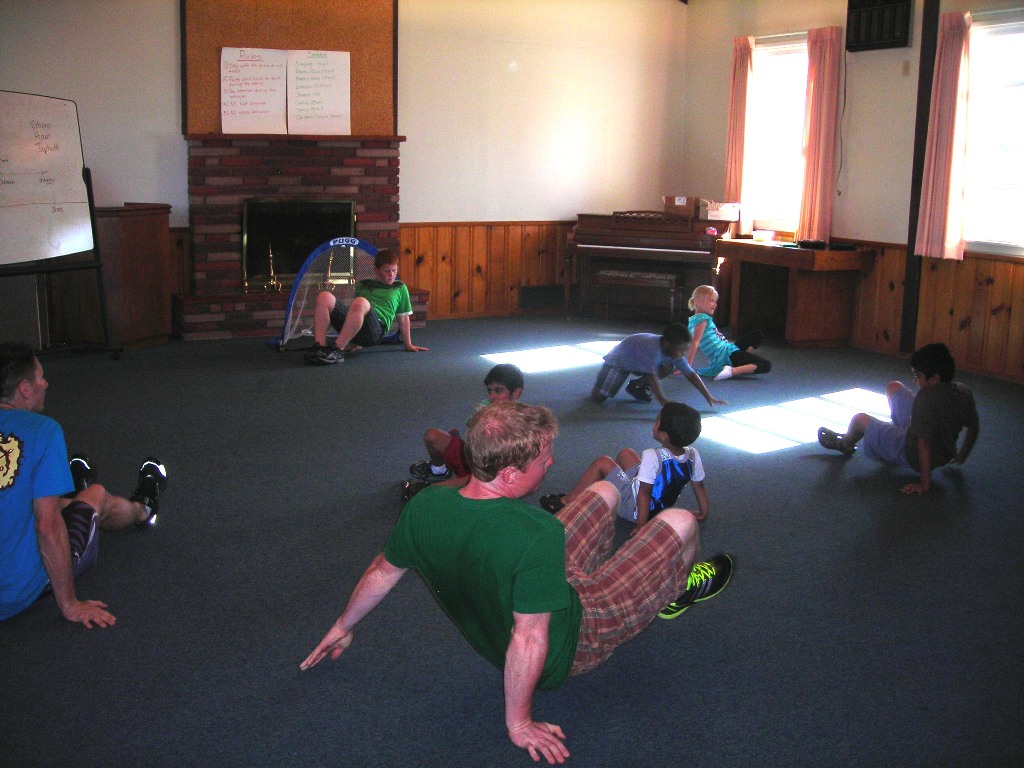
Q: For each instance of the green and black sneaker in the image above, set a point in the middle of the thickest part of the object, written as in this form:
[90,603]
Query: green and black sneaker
[706,580]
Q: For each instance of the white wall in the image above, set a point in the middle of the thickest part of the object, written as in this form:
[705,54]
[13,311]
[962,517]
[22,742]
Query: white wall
[537,109]
[873,200]
[119,61]
[512,109]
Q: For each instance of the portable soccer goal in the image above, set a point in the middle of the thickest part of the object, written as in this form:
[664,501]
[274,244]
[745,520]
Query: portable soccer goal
[333,266]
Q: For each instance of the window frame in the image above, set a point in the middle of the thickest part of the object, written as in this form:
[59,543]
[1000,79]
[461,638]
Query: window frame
[995,23]
[775,45]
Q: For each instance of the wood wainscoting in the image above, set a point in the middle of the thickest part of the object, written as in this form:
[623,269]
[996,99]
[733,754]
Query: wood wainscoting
[968,305]
[477,269]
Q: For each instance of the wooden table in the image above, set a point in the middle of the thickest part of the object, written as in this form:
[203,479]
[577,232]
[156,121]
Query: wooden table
[820,293]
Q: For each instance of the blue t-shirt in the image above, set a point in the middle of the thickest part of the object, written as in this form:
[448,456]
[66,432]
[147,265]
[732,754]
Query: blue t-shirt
[33,465]
[641,353]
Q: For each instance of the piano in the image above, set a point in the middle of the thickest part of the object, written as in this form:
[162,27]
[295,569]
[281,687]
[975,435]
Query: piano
[647,243]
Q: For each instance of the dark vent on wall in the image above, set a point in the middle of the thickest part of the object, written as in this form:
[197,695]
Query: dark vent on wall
[872,24]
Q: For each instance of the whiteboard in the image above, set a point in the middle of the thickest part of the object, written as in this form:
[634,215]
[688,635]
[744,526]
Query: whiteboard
[44,203]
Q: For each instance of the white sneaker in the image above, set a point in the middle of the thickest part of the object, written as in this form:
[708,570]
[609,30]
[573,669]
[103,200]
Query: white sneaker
[725,374]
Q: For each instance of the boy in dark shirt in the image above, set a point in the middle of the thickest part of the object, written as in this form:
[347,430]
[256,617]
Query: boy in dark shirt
[925,427]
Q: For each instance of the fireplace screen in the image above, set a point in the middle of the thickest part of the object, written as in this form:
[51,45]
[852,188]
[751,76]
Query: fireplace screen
[278,235]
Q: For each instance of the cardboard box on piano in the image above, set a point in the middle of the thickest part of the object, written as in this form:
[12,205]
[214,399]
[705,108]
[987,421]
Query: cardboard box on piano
[688,205]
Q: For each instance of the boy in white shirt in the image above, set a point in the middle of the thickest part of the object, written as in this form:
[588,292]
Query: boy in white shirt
[650,482]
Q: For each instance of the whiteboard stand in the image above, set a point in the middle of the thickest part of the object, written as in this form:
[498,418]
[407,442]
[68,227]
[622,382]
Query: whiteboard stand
[47,212]
[66,264]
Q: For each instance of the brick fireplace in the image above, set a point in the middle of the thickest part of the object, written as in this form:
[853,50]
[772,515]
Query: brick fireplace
[223,171]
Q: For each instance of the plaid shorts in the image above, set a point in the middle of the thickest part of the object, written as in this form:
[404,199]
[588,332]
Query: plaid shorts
[621,592]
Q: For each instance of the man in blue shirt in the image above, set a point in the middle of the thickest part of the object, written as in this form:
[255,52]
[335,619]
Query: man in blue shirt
[47,535]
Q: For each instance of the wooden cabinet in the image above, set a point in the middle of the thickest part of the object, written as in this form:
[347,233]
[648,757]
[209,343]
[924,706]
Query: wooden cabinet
[133,242]
[810,292]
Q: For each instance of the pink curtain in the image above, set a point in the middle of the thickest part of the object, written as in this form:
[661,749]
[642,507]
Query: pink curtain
[940,221]
[742,58]
[824,54]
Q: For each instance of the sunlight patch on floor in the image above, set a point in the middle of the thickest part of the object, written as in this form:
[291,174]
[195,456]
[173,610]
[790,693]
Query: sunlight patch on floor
[544,359]
[754,430]
[795,422]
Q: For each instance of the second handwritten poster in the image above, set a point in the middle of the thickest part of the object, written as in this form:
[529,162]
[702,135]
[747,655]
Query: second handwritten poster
[318,93]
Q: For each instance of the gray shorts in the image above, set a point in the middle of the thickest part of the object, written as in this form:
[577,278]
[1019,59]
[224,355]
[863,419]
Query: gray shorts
[372,331]
[624,482]
[81,520]
[83,535]
[610,379]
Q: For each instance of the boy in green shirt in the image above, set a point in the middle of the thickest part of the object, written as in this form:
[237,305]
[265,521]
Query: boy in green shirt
[365,322]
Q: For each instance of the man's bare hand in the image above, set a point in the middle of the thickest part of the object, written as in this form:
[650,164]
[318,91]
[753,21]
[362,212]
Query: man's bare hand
[89,612]
[334,643]
[540,739]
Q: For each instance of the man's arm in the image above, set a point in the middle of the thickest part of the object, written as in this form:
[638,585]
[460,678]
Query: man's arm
[524,662]
[52,537]
[405,327]
[377,580]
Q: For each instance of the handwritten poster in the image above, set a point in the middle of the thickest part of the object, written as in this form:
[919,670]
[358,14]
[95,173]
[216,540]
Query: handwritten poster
[44,203]
[253,92]
[318,93]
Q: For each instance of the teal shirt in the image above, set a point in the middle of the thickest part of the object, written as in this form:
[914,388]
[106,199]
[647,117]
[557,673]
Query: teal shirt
[713,344]
[485,559]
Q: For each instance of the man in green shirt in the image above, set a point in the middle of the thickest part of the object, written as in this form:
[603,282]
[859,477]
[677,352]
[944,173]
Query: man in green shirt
[541,597]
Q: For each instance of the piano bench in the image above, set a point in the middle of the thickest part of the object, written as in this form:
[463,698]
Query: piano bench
[606,279]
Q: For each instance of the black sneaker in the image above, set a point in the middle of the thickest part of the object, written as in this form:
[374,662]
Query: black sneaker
[411,487]
[329,356]
[152,480]
[424,472]
[312,352]
[553,502]
[82,472]
[706,580]
[640,390]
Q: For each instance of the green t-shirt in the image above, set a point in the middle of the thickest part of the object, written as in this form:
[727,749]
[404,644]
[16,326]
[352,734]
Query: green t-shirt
[386,300]
[485,559]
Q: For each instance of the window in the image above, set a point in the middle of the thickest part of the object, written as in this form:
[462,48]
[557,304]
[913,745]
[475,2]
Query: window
[773,164]
[994,170]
